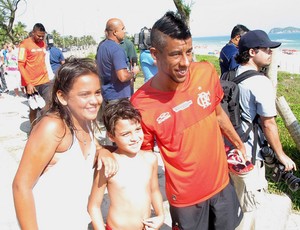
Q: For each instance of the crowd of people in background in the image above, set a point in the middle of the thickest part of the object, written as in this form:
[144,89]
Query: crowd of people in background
[64,170]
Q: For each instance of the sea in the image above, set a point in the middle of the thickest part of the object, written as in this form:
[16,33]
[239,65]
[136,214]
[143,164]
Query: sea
[290,41]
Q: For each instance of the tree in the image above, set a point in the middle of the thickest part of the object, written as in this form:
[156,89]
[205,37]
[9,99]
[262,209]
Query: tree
[19,32]
[184,9]
[8,10]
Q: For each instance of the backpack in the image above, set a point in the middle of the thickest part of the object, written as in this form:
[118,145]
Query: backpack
[142,39]
[230,104]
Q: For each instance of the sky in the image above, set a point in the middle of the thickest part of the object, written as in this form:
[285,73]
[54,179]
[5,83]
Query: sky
[208,17]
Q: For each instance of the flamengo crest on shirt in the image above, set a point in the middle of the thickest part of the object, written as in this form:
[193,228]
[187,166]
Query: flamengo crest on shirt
[204,100]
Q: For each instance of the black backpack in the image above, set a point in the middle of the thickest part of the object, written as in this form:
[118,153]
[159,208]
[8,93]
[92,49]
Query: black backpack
[230,104]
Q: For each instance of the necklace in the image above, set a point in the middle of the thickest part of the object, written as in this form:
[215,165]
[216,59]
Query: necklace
[82,137]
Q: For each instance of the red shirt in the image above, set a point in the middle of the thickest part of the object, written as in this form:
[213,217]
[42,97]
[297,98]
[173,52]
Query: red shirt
[186,129]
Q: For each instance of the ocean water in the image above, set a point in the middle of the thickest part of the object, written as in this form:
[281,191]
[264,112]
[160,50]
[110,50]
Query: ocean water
[289,41]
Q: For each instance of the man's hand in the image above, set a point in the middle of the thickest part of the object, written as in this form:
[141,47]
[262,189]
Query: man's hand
[106,159]
[288,163]
[30,89]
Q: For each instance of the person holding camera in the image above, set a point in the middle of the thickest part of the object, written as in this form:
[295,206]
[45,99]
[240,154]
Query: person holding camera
[148,63]
[257,100]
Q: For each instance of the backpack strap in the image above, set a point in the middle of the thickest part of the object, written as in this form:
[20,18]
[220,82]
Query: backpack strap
[254,125]
[229,75]
[245,75]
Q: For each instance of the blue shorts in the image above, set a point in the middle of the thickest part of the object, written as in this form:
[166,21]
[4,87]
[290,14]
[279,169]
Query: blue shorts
[221,212]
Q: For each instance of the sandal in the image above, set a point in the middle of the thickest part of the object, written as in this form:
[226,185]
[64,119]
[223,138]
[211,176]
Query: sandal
[237,164]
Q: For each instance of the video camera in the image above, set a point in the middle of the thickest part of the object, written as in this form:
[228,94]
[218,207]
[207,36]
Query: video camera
[278,172]
[142,39]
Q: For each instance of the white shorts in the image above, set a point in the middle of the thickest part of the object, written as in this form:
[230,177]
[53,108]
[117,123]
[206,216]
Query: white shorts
[251,188]
[13,79]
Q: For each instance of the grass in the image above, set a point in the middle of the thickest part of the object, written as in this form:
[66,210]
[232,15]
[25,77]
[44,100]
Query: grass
[288,86]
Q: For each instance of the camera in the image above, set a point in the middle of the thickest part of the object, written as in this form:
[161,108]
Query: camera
[142,39]
[278,173]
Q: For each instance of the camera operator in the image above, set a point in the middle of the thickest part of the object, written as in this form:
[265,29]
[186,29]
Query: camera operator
[148,63]
[257,100]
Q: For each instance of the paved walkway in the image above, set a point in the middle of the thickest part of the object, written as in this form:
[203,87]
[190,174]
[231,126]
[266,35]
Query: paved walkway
[14,125]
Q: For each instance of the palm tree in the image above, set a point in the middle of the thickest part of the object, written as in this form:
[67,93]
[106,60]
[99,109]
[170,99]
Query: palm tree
[19,32]
[8,10]
[184,10]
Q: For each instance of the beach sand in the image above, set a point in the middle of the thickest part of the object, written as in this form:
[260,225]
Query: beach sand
[286,61]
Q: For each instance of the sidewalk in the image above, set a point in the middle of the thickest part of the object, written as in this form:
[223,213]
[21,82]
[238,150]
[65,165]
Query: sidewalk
[14,125]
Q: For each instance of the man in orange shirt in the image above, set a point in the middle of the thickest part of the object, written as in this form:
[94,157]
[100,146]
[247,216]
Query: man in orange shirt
[181,112]
[32,66]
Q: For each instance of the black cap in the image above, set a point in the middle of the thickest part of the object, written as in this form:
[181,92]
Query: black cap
[256,39]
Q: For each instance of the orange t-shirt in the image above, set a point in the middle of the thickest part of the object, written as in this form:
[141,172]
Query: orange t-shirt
[31,62]
[185,127]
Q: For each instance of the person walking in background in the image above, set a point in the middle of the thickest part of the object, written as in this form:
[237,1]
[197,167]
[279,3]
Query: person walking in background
[32,66]
[56,56]
[54,178]
[230,50]
[135,187]
[181,111]
[2,63]
[11,71]
[257,100]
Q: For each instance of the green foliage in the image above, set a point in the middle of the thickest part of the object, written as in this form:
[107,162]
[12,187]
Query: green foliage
[91,56]
[210,58]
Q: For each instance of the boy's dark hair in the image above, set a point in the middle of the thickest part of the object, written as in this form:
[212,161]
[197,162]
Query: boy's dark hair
[39,27]
[121,110]
[238,30]
[171,25]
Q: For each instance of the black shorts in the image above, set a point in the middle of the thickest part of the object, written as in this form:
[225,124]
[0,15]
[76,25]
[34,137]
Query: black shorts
[45,90]
[221,212]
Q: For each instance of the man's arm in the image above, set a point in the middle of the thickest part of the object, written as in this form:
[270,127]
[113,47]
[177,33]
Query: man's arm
[24,73]
[228,130]
[125,75]
[270,130]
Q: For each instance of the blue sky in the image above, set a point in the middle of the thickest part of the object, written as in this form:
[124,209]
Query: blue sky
[208,17]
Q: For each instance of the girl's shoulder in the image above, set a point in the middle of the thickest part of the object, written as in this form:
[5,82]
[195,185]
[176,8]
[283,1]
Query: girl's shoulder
[51,124]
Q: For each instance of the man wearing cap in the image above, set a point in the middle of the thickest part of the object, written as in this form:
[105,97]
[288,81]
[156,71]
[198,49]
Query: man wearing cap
[257,97]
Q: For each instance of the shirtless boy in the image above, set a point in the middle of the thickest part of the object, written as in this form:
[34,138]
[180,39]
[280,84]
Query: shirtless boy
[135,187]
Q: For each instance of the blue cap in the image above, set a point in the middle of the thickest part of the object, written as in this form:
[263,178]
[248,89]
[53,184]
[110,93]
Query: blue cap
[256,39]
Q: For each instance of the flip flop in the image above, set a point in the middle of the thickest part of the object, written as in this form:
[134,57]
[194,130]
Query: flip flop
[237,164]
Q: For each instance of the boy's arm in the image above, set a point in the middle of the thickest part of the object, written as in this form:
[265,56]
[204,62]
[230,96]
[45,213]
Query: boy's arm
[156,199]
[95,199]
